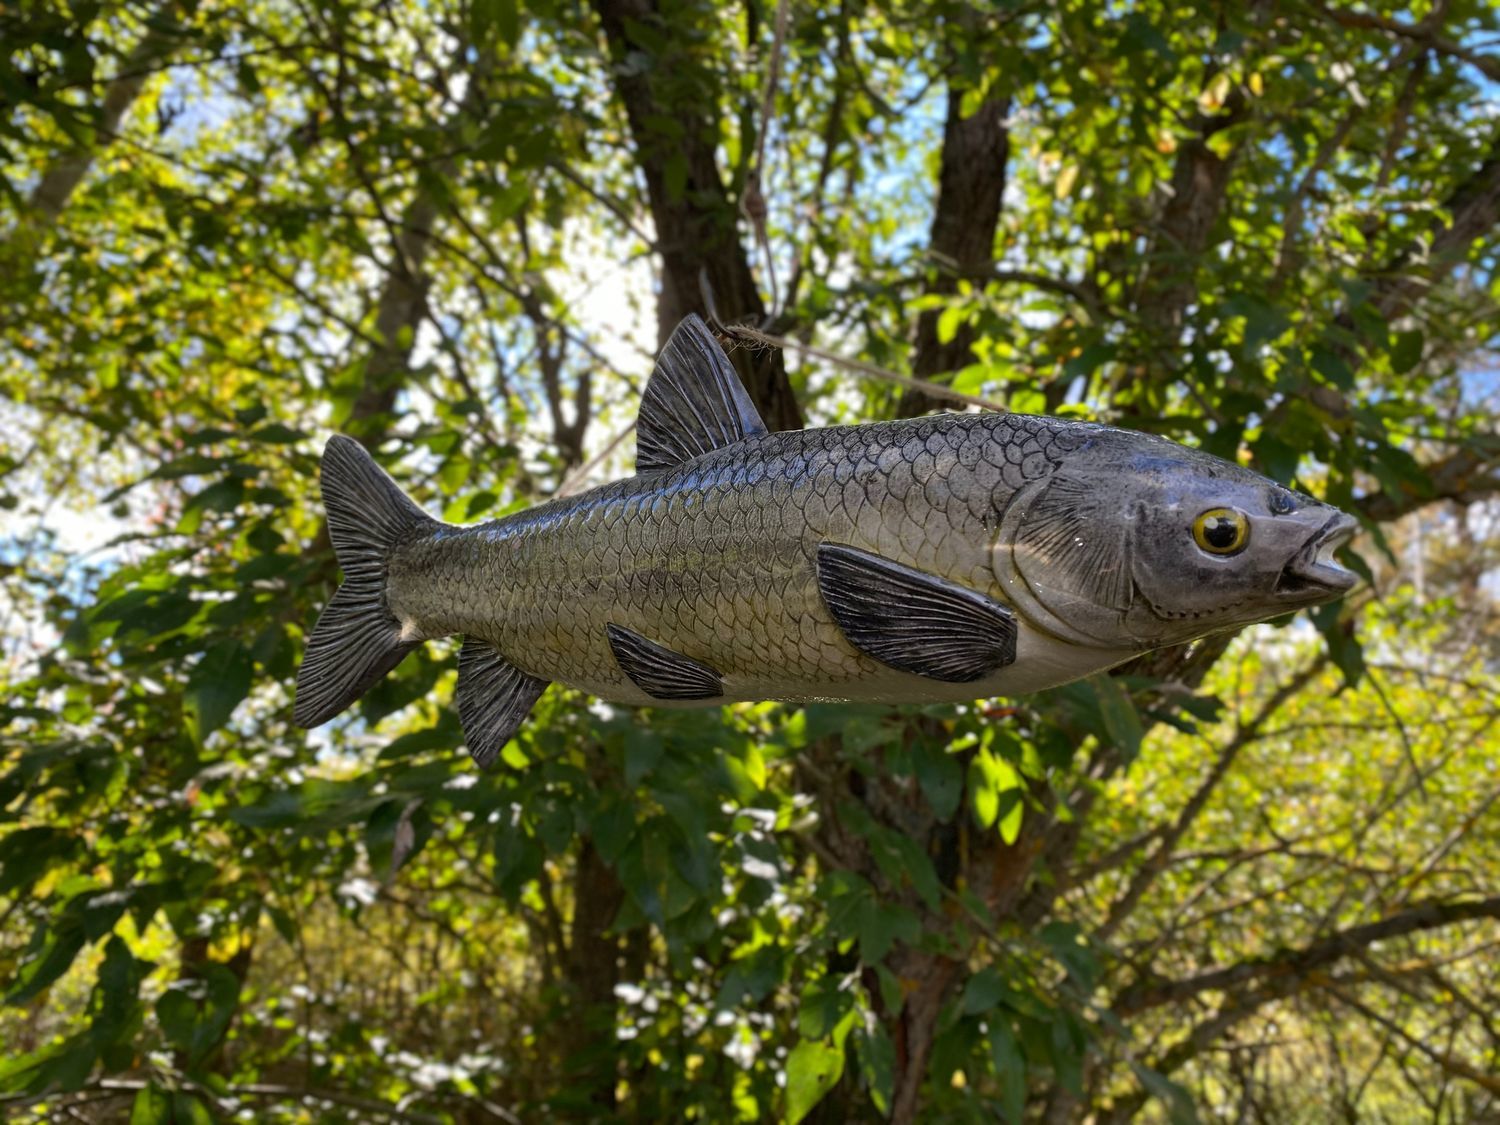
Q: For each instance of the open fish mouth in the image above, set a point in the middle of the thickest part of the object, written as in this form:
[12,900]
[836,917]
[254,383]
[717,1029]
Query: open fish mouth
[1313,571]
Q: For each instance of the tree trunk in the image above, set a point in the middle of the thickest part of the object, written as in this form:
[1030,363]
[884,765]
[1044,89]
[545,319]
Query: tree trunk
[403,301]
[971,184]
[61,179]
[586,1034]
[998,873]
[696,231]
[928,979]
[398,316]
[966,216]
[1200,184]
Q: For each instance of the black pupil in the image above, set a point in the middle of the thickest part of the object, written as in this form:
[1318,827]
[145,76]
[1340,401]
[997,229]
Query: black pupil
[1220,532]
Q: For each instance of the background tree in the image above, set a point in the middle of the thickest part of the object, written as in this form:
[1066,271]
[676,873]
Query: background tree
[1253,875]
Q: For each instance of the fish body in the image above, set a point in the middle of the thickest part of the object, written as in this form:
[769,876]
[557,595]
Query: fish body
[716,558]
[943,558]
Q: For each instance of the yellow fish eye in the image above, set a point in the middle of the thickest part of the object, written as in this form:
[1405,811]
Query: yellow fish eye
[1221,531]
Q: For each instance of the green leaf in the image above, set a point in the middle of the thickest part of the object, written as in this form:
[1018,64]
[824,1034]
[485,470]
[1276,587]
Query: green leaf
[249,415]
[1333,368]
[222,496]
[881,925]
[1121,720]
[115,1008]
[941,777]
[1012,804]
[409,745]
[1065,940]
[643,750]
[27,854]
[277,434]
[152,1106]
[1406,350]
[877,1065]
[1180,1108]
[56,956]
[813,1068]
[1343,646]
[997,793]
[1068,1046]
[217,685]
[1010,1070]
[61,1067]
[508,21]
[1276,458]
[1398,471]
[188,1109]
[984,990]
[1264,322]
[1089,360]
[195,1011]
[249,81]
[984,797]
[825,1002]
[917,868]
[949,321]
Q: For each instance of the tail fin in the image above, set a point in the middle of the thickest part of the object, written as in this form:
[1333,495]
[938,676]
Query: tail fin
[356,640]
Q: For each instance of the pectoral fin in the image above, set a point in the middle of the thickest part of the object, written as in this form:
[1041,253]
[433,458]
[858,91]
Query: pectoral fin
[494,698]
[914,621]
[660,672]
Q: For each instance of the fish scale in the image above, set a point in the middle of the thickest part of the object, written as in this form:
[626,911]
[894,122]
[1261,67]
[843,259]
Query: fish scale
[942,558]
[746,523]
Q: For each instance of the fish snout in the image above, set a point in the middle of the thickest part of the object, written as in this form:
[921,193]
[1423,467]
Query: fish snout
[1313,574]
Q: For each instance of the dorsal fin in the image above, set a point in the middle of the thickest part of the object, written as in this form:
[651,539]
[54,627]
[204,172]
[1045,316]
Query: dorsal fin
[694,402]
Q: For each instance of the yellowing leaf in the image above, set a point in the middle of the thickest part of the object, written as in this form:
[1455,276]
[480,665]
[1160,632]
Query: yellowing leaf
[1214,94]
[1065,180]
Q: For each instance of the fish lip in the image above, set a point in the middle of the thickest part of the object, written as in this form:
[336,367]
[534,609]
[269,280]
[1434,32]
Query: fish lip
[1313,572]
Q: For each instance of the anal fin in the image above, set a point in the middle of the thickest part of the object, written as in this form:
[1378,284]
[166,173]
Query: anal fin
[659,671]
[912,620]
[494,698]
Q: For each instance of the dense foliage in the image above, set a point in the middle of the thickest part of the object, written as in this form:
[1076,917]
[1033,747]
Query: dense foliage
[1258,876]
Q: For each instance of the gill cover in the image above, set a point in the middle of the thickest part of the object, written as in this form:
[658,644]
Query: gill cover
[1064,557]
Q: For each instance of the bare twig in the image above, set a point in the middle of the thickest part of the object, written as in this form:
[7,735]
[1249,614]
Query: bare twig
[744,334]
[1299,962]
[575,481]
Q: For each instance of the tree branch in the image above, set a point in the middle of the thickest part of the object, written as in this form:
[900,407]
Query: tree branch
[1157,862]
[1467,476]
[1300,962]
[1423,33]
[1443,1060]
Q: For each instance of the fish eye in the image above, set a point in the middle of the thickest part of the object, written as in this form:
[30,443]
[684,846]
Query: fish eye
[1221,531]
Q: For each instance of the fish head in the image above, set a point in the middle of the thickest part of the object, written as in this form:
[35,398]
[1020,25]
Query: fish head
[1137,542]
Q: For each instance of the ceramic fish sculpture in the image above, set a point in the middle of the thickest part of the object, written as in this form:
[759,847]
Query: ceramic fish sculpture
[949,557]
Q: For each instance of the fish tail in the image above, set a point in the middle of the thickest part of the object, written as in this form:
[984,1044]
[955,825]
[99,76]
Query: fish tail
[357,639]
